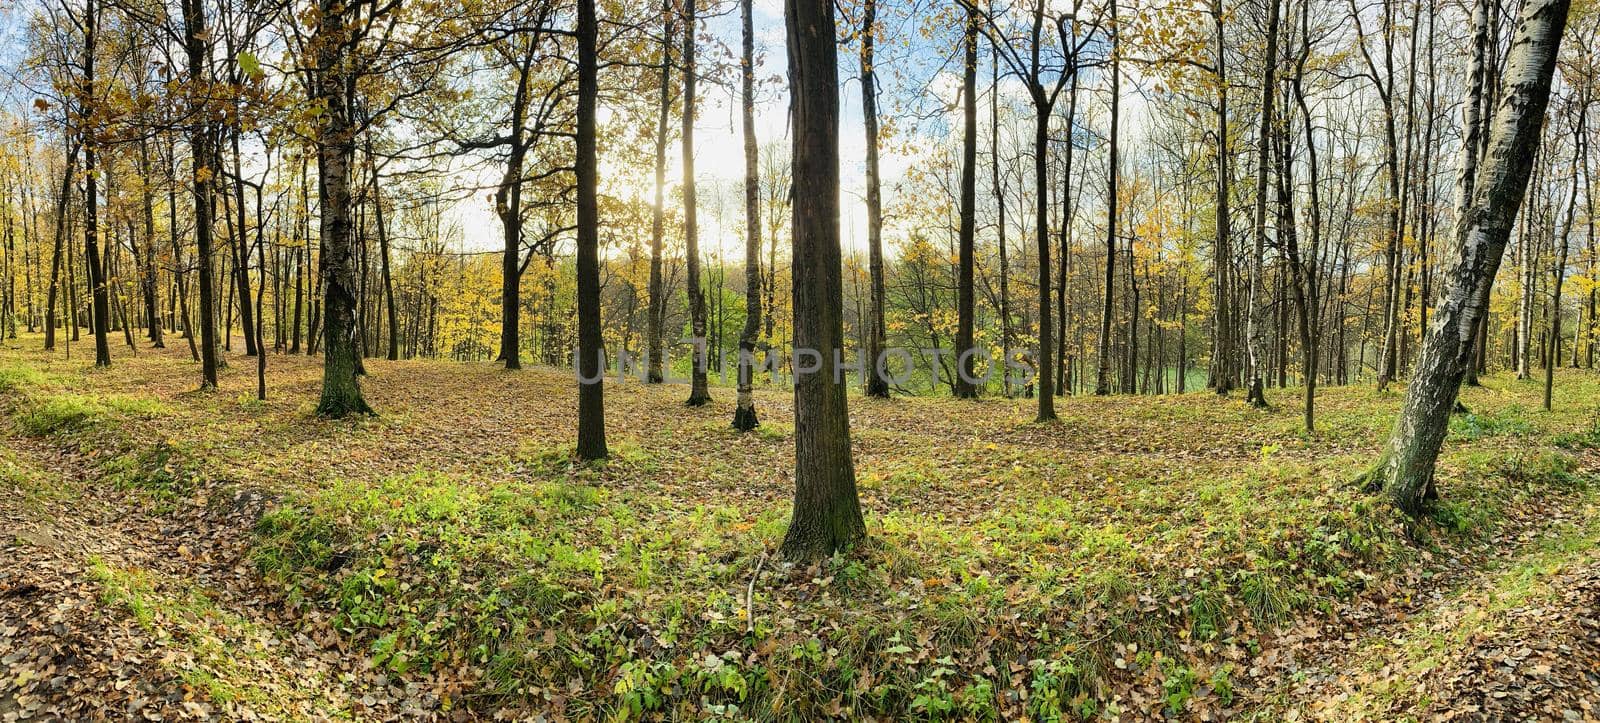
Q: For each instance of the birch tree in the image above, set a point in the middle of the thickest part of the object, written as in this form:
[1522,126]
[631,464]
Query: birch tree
[1405,471]
[744,416]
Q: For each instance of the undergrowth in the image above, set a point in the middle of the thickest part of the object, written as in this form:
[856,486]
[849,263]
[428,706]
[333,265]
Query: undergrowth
[1012,570]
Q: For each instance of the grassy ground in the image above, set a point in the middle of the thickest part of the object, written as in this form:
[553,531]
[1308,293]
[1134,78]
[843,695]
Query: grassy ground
[1141,556]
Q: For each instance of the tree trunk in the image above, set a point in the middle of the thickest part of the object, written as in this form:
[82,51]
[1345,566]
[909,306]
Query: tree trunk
[1306,270]
[658,304]
[965,385]
[341,363]
[147,260]
[508,206]
[1043,109]
[1102,384]
[1064,267]
[591,365]
[744,416]
[1558,272]
[67,168]
[1221,373]
[1256,393]
[1405,471]
[1000,224]
[699,393]
[877,385]
[100,301]
[200,146]
[242,251]
[383,259]
[827,512]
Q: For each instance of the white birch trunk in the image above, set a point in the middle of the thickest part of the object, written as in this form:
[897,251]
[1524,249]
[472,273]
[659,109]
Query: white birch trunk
[1406,469]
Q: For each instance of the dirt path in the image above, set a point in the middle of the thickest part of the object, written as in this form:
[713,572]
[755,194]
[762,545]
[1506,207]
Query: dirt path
[1515,636]
[110,611]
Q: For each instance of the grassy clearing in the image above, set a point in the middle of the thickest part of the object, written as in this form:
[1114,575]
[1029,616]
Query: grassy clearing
[78,412]
[44,404]
[1149,544]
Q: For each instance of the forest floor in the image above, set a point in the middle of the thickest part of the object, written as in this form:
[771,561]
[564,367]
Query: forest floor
[171,554]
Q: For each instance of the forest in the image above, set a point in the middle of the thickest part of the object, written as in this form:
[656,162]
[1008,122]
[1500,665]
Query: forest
[799,359]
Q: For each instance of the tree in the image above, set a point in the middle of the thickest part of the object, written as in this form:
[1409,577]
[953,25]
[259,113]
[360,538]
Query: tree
[877,385]
[1255,389]
[1472,108]
[827,512]
[1305,268]
[1029,64]
[88,131]
[591,367]
[526,129]
[68,169]
[337,33]
[1559,269]
[657,309]
[1405,470]
[1383,84]
[964,387]
[699,393]
[1223,374]
[1102,383]
[744,416]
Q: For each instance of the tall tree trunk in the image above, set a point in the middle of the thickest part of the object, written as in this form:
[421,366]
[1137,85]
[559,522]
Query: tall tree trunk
[148,281]
[1591,328]
[301,254]
[1222,374]
[658,303]
[1064,268]
[744,416]
[68,167]
[1102,383]
[699,393]
[197,54]
[1384,85]
[877,385]
[965,384]
[591,365]
[1306,269]
[383,258]
[1471,141]
[1000,224]
[508,206]
[99,294]
[1043,109]
[1257,395]
[242,250]
[1580,151]
[341,363]
[1405,471]
[827,512]
[182,290]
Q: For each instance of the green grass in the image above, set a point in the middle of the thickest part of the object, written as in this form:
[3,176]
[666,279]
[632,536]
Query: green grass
[19,378]
[65,413]
[558,581]
[1012,568]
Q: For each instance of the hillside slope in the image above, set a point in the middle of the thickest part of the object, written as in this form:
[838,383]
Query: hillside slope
[1152,556]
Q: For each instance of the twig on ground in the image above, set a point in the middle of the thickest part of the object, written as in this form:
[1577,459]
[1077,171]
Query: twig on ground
[750,595]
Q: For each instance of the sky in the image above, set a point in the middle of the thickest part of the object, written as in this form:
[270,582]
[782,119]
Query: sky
[719,143]
[719,156]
